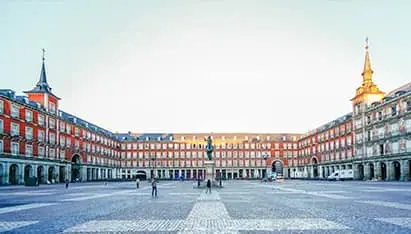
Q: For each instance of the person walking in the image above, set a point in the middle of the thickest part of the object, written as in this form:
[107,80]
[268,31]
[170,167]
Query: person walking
[208,186]
[138,183]
[154,187]
[67,183]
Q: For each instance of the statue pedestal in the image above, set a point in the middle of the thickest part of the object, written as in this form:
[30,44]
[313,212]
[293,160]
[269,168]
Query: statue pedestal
[209,166]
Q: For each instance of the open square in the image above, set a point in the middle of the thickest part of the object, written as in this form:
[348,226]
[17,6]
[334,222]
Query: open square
[239,207]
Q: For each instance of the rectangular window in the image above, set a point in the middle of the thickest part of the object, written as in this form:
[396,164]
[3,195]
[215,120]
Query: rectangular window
[29,150]
[52,123]
[40,119]
[1,126]
[15,148]
[29,133]
[52,138]
[40,136]
[1,146]
[41,152]
[62,154]
[14,111]
[52,108]
[52,153]
[62,127]
[1,106]
[29,116]
[15,130]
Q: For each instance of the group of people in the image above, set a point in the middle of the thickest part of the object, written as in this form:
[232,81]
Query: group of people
[154,186]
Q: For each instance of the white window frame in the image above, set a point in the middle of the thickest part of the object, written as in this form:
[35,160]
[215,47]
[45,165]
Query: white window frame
[13,148]
[52,153]
[15,127]
[40,151]
[29,116]
[29,150]
[27,130]
[40,135]
[1,126]
[40,119]
[1,106]
[13,112]
[52,138]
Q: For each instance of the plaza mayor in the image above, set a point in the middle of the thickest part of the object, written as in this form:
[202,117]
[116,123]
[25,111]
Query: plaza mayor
[370,142]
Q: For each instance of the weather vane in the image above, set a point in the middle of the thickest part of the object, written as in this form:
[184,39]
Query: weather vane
[44,52]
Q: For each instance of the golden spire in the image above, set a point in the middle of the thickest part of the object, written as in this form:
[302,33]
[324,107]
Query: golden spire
[367,72]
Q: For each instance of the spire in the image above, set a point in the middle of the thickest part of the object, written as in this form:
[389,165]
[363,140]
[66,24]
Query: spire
[42,86]
[367,71]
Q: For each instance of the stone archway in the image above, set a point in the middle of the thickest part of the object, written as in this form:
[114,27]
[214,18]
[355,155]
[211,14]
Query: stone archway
[13,174]
[360,172]
[314,162]
[277,167]
[383,167]
[397,170]
[27,172]
[40,174]
[75,168]
[50,174]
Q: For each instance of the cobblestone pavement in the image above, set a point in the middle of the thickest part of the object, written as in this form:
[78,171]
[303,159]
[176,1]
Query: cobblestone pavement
[240,207]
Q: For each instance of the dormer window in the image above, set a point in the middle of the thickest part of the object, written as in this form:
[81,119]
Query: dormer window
[147,138]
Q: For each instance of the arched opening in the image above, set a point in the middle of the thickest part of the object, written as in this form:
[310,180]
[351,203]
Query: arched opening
[277,168]
[360,172]
[50,175]
[13,172]
[315,167]
[27,173]
[40,174]
[62,174]
[409,169]
[397,170]
[141,175]
[1,174]
[75,168]
[383,171]
[371,171]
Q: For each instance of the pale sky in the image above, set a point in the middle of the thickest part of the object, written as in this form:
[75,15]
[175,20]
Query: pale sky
[205,65]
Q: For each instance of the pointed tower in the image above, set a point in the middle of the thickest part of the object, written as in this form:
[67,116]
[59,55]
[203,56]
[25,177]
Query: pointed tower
[41,93]
[368,92]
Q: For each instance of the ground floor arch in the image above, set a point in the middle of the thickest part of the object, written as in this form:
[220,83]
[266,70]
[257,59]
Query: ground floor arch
[50,174]
[13,174]
[1,173]
[40,174]
[383,168]
[396,170]
[76,167]
[314,162]
[62,174]
[360,172]
[28,172]
[277,167]
[371,170]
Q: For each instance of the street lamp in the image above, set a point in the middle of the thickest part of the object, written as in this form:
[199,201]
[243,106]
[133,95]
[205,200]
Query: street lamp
[265,156]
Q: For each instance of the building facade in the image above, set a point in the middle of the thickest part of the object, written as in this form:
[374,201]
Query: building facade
[37,139]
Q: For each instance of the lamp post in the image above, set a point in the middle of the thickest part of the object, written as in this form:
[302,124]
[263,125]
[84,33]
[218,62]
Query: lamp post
[265,156]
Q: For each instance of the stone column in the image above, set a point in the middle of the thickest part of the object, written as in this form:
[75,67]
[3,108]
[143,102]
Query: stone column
[20,173]
[5,174]
[356,172]
[390,170]
[56,174]
[83,173]
[404,170]
[377,170]
[68,172]
[367,171]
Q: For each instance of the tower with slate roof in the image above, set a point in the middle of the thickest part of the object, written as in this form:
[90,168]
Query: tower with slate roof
[42,93]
